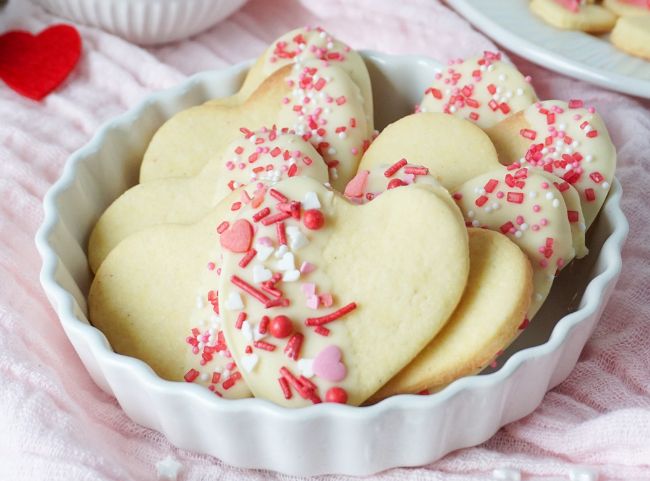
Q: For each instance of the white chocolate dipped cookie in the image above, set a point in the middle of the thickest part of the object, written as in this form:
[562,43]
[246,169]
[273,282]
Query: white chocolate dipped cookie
[530,210]
[453,149]
[488,318]
[308,296]
[146,296]
[632,35]
[573,15]
[484,90]
[628,8]
[301,45]
[266,155]
[319,102]
[565,139]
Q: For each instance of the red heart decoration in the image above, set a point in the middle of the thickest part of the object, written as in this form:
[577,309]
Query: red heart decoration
[34,65]
[238,237]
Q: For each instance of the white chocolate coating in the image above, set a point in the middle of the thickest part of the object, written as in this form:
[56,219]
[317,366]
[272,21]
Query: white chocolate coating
[530,211]
[325,108]
[484,90]
[307,44]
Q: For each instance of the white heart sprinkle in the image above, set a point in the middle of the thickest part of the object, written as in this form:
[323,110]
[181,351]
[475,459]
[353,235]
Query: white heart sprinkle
[306,367]
[260,274]
[248,362]
[291,276]
[282,250]
[247,330]
[263,251]
[287,262]
[234,302]
[310,201]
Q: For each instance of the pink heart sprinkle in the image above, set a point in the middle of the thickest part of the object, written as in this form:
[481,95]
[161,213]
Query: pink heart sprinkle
[357,186]
[328,365]
[307,267]
[238,237]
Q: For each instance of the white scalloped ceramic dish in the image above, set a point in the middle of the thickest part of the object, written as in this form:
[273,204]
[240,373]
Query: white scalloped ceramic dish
[576,54]
[146,22]
[253,433]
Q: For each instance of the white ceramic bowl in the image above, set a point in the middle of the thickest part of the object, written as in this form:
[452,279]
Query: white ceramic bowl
[146,22]
[327,438]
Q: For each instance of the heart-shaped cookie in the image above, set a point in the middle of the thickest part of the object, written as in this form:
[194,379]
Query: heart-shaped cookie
[298,46]
[453,149]
[484,90]
[488,318]
[574,16]
[34,65]
[317,101]
[434,155]
[149,298]
[528,209]
[363,279]
[565,139]
[263,156]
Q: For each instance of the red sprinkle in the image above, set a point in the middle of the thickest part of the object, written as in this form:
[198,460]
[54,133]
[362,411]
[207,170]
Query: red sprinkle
[576,104]
[528,133]
[313,219]
[191,375]
[515,197]
[258,216]
[279,217]
[278,196]
[416,170]
[336,395]
[246,287]
[292,349]
[480,202]
[322,330]
[392,170]
[240,320]
[281,231]
[267,346]
[230,382]
[223,227]
[284,385]
[319,321]
[280,327]
[590,194]
[247,258]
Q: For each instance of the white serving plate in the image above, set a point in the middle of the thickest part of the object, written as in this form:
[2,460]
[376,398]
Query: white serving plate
[146,22]
[576,54]
[403,430]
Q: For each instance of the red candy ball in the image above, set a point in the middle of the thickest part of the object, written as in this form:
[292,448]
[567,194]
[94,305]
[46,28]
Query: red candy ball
[396,183]
[336,395]
[313,219]
[280,327]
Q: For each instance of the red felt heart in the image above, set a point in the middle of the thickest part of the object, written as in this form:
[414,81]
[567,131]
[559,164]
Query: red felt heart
[238,237]
[34,65]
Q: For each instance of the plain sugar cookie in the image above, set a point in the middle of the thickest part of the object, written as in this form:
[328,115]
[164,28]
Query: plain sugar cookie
[265,156]
[628,8]
[453,149]
[586,17]
[488,318]
[318,102]
[632,35]
[144,299]
[484,90]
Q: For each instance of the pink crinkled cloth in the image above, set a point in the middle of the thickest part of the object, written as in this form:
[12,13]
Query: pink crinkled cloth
[56,424]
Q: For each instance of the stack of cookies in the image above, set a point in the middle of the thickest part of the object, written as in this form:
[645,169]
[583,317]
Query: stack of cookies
[277,246]
[627,20]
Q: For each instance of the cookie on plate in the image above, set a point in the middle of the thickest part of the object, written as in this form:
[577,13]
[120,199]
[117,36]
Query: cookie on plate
[632,35]
[574,15]
[628,8]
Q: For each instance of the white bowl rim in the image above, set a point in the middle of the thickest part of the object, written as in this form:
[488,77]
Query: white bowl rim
[63,301]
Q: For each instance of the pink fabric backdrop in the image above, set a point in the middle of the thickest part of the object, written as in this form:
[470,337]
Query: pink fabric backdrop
[55,424]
